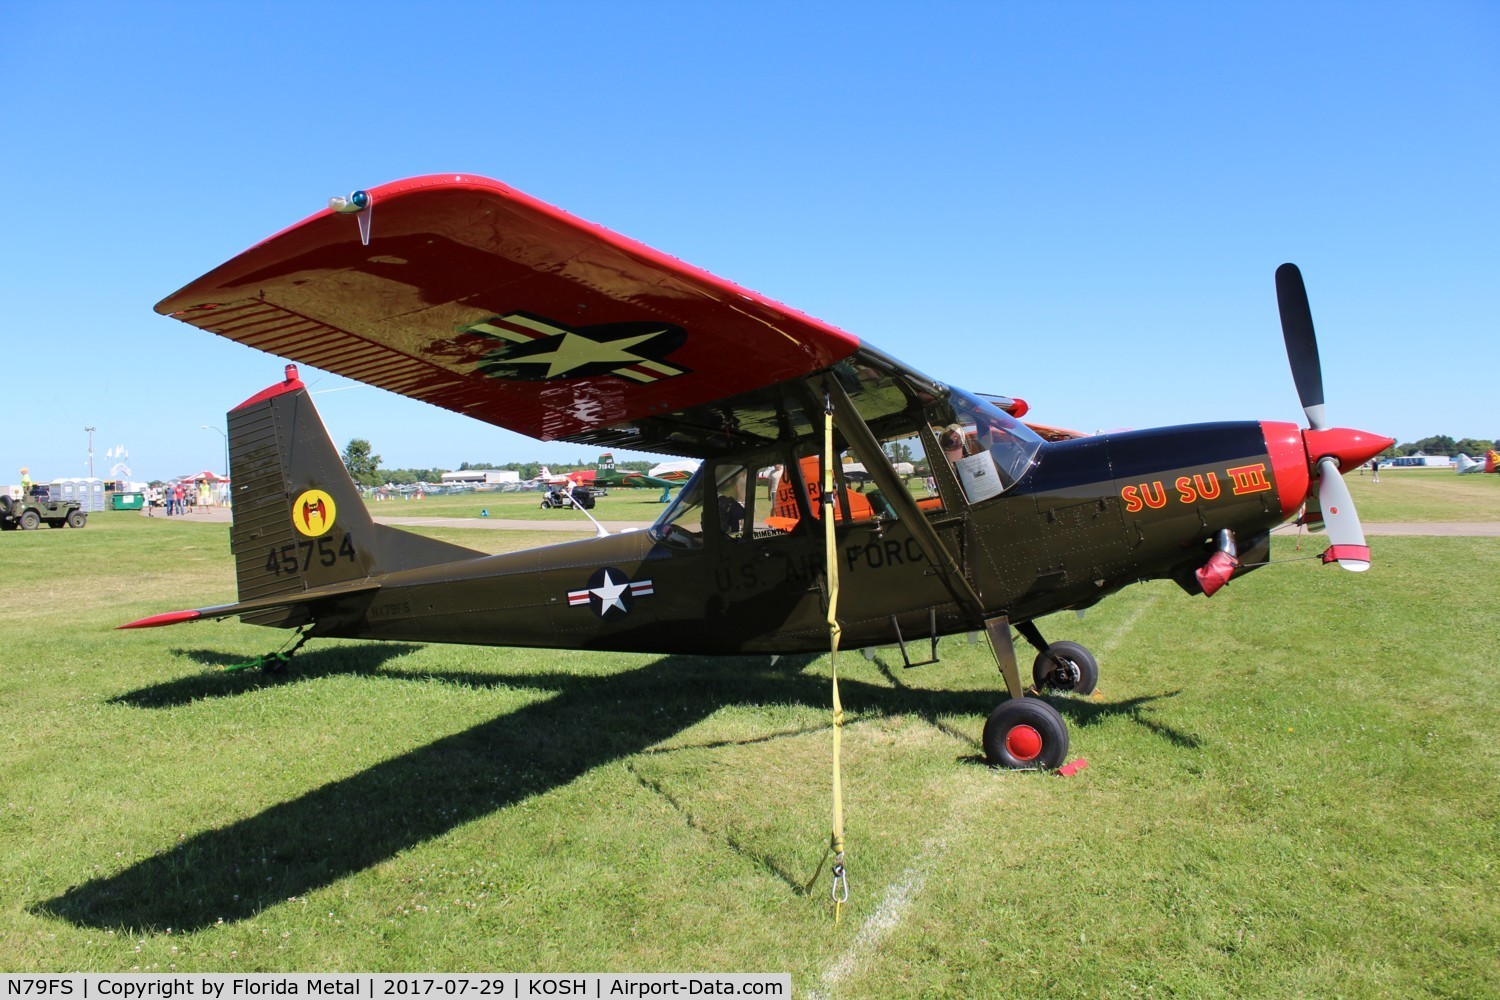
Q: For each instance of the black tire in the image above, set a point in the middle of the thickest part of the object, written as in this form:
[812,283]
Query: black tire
[30,520]
[77,519]
[1066,666]
[6,504]
[1025,734]
[546,505]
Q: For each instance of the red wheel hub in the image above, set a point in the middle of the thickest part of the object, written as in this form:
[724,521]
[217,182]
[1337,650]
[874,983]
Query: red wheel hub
[1023,742]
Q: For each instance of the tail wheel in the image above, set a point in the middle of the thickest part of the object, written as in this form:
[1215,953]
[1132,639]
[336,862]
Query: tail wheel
[1026,734]
[1066,666]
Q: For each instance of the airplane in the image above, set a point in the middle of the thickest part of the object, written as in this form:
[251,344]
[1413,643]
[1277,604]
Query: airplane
[1467,465]
[678,472]
[546,477]
[607,476]
[468,294]
[855,472]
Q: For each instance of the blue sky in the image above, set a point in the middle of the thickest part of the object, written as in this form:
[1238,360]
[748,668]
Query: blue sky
[1081,204]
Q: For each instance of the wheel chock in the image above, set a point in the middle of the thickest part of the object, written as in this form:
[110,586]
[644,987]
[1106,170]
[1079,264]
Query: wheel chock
[1068,770]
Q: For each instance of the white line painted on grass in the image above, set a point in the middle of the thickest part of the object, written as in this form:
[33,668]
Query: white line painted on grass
[898,898]
[1127,625]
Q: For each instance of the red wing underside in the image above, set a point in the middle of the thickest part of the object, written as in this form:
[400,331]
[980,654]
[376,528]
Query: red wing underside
[479,299]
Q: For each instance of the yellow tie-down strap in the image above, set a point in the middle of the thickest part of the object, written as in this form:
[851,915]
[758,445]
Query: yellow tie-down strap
[830,561]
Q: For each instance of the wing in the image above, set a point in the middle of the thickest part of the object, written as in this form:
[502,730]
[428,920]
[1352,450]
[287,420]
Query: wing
[477,298]
[1056,433]
[639,480]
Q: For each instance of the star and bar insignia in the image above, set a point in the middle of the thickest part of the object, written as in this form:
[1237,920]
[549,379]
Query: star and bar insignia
[609,589]
[537,349]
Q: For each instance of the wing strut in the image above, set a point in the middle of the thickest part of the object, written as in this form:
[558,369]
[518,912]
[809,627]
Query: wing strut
[878,464]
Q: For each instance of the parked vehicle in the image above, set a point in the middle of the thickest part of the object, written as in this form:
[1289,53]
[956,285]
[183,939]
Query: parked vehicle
[580,496]
[38,509]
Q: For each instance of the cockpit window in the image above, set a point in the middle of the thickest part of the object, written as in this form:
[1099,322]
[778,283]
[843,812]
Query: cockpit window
[988,449]
[723,497]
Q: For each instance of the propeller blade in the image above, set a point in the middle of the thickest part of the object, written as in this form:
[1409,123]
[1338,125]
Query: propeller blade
[1301,342]
[1346,539]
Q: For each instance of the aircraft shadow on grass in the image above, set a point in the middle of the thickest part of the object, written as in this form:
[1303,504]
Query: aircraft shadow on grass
[299,846]
[362,660]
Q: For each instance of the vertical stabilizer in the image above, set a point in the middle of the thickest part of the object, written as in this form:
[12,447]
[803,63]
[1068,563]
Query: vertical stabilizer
[299,521]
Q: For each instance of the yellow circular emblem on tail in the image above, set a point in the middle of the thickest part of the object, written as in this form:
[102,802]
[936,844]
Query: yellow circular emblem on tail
[313,513]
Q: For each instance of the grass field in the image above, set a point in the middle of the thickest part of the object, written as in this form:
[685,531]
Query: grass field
[1425,495]
[1291,791]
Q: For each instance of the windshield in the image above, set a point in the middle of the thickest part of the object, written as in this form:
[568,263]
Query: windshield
[988,448]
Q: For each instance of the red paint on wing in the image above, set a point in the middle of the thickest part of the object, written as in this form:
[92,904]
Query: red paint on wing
[452,251]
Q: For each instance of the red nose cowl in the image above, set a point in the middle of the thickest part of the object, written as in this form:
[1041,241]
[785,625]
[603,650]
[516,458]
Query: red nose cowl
[1295,454]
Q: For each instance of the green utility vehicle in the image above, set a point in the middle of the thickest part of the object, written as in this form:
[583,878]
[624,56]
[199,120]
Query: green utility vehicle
[39,509]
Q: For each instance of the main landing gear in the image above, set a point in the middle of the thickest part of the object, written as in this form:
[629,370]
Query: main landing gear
[1027,733]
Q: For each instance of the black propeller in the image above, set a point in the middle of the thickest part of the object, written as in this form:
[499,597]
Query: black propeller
[1301,342]
[1346,537]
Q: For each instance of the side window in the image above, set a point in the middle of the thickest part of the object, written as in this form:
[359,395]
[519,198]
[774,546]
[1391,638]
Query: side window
[861,498]
[732,501]
[759,498]
[856,500]
[740,499]
[913,467]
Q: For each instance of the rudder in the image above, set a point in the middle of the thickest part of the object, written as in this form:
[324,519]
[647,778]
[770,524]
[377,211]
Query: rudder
[299,521]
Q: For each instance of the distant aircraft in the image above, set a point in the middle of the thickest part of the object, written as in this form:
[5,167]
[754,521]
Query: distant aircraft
[609,477]
[677,471]
[856,472]
[1491,463]
[545,477]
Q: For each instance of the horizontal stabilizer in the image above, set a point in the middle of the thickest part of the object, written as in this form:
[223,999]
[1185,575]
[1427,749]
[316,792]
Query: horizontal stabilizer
[293,600]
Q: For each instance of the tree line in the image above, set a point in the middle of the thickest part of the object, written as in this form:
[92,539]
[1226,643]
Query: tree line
[1442,444]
